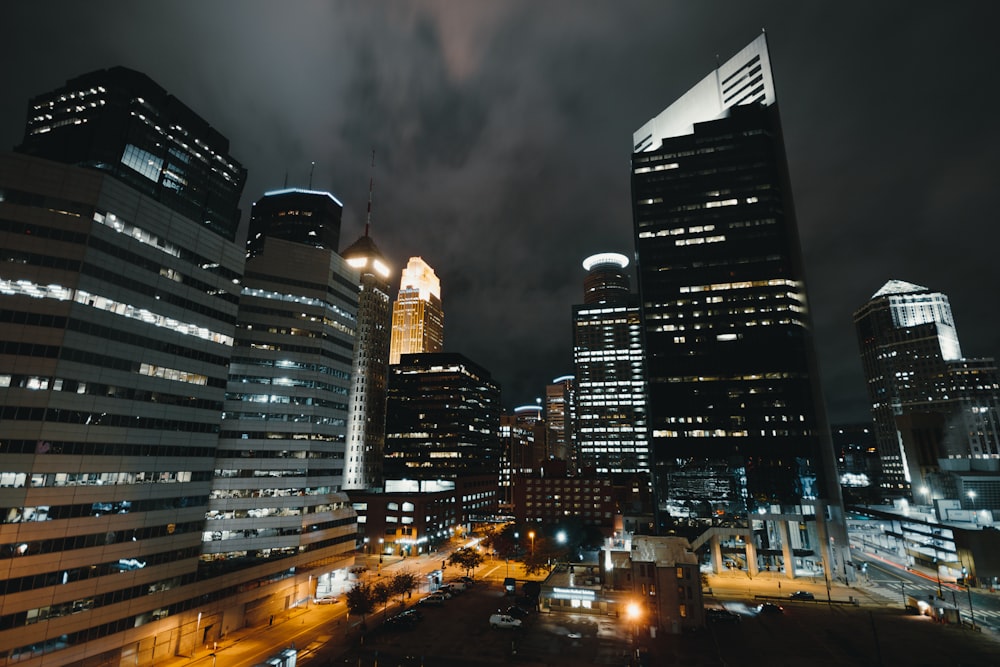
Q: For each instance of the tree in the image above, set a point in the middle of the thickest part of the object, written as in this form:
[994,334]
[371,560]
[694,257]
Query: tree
[402,583]
[381,593]
[467,558]
[502,542]
[360,600]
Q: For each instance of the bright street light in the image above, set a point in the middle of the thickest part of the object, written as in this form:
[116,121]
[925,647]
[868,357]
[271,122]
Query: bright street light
[531,536]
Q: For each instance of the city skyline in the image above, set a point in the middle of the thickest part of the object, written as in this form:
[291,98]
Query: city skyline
[479,116]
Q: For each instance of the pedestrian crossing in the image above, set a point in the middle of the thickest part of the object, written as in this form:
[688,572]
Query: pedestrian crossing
[894,592]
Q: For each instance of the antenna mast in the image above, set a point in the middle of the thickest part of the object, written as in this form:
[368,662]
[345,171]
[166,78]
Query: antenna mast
[371,193]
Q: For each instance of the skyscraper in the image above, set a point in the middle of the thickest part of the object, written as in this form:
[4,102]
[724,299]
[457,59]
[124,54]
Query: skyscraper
[366,411]
[276,504]
[611,435]
[442,418]
[309,217]
[560,417]
[119,312]
[122,123]
[738,425]
[928,401]
[417,317]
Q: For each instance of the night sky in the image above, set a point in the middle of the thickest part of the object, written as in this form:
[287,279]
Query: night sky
[503,131]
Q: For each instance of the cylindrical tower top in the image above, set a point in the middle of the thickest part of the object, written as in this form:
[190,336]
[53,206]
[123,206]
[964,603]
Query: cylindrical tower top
[606,281]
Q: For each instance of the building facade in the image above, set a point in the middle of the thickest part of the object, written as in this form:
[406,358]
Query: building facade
[369,375]
[308,217]
[522,447]
[611,435]
[929,403]
[560,416]
[277,503]
[739,432]
[417,315]
[119,311]
[442,418]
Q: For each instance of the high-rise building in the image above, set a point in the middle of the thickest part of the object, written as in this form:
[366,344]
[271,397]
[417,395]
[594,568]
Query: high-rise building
[560,417]
[276,504]
[522,446]
[417,317]
[736,415]
[366,408]
[118,307]
[122,123]
[442,418]
[611,435]
[309,217]
[929,403]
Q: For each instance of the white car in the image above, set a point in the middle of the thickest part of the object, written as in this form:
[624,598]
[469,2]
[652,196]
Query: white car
[325,600]
[504,621]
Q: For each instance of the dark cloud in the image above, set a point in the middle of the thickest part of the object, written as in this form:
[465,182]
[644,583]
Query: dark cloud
[502,134]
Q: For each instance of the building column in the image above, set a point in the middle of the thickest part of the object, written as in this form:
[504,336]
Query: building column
[716,553]
[751,555]
[784,533]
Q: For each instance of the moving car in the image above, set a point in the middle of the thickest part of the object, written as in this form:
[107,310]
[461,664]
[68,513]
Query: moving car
[504,621]
[802,595]
[770,608]
[326,600]
[721,615]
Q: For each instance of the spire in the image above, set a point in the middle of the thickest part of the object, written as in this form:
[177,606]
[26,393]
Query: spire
[371,193]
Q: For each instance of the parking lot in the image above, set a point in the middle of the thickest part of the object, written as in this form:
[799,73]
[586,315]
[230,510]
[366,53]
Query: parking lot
[458,632]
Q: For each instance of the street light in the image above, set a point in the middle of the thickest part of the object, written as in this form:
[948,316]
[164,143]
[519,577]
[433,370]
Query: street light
[531,536]
[632,612]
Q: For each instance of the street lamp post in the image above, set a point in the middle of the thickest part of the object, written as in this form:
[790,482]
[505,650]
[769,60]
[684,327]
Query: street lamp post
[531,536]
[937,571]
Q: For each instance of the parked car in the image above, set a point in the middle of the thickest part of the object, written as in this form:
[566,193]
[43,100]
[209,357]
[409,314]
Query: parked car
[721,615]
[516,612]
[770,608]
[435,599]
[504,621]
[413,614]
[802,595]
[326,600]
[457,585]
[400,622]
[468,580]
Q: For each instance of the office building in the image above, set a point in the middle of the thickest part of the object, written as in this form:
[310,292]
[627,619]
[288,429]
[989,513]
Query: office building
[277,504]
[308,217]
[611,435]
[442,418]
[522,446]
[934,410]
[120,122]
[739,439]
[119,305]
[369,375]
[417,316]
[560,417]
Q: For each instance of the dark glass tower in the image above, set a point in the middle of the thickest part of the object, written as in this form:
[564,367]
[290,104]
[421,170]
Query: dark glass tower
[442,418]
[738,425]
[308,217]
[121,122]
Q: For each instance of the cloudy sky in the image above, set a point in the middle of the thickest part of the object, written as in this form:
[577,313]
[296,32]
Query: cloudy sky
[503,130]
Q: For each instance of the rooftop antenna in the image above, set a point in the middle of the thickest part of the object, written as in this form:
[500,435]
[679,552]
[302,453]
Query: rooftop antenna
[311,175]
[371,193]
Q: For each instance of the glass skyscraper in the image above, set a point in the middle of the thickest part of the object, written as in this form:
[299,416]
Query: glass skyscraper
[739,436]
[610,430]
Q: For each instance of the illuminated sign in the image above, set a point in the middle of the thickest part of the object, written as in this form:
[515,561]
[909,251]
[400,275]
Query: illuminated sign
[573,594]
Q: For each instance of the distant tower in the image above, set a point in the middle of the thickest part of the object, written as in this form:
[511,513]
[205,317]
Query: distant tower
[417,316]
[366,418]
[522,441]
[611,432]
[560,416]
[928,401]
